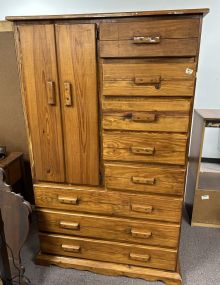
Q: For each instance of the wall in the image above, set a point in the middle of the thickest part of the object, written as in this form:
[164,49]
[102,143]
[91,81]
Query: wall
[208,89]
[12,131]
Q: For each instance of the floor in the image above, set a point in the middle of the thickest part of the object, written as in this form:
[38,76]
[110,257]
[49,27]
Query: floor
[200,262]
[210,167]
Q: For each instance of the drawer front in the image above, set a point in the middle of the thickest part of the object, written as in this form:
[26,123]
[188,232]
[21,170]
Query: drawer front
[166,29]
[166,48]
[131,254]
[115,229]
[149,38]
[109,203]
[148,179]
[148,79]
[145,147]
[145,121]
[163,115]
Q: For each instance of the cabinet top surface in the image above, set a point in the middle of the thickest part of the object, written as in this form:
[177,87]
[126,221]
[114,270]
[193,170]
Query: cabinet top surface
[110,15]
[209,114]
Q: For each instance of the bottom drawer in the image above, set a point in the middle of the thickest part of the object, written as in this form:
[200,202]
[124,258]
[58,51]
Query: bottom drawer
[110,228]
[130,254]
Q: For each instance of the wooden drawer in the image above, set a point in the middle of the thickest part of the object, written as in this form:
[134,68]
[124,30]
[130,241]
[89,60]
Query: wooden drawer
[147,115]
[145,147]
[105,250]
[148,78]
[110,228]
[110,203]
[148,179]
[168,37]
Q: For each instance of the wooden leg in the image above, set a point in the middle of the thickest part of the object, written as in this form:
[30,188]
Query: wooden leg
[113,269]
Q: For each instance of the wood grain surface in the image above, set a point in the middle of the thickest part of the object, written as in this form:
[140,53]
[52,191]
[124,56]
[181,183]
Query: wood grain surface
[108,228]
[110,203]
[147,178]
[162,123]
[140,255]
[38,60]
[76,48]
[166,28]
[180,12]
[167,148]
[175,78]
[166,48]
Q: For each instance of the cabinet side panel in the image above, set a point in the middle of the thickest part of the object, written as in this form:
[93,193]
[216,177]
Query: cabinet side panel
[76,51]
[41,99]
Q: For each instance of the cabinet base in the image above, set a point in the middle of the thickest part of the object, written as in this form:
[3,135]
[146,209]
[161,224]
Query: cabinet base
[107,268]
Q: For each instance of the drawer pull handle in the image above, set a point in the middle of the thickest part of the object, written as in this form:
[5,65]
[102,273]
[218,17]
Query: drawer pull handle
[143,150]
[51,93]
[141,208]
[148,80]
[139,257]
[143,117]
[67,200]
[138,234]
[68,94]
[146,40]
[71,248]
[69,225]
[142,180]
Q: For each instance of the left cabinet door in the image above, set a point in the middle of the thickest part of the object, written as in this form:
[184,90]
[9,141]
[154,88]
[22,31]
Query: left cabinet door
[41,99]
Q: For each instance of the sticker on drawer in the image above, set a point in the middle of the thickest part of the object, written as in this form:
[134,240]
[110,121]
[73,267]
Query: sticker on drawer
[189,71]
[205,197]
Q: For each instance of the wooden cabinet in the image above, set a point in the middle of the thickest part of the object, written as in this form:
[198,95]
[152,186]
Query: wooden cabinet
[108,101]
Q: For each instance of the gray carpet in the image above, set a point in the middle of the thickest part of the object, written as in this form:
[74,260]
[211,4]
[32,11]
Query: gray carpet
[200,262]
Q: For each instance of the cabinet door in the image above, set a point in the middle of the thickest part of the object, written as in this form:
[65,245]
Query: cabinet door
[76,54]
[41,99]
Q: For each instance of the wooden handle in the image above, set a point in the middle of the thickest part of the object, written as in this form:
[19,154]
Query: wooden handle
[143,150]
[141,208]
[51,94]
[143,117]
[143,180]
[70,248]
[69,225]
[146,40]
[139,257]
[139,234]
[68,200]
[68,94]
[148,80]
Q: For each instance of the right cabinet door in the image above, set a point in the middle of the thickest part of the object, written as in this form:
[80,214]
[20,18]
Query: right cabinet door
[76,54]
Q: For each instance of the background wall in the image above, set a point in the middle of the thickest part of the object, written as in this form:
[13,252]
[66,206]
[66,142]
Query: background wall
[208,89]
[12,130]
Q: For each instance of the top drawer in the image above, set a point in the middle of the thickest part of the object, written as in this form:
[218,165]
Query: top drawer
[147,38]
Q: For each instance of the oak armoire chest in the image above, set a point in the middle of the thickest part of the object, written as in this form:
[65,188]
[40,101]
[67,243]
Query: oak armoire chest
[108,102]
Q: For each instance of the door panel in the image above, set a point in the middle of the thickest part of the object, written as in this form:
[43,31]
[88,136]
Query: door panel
[76,51]
[41,98]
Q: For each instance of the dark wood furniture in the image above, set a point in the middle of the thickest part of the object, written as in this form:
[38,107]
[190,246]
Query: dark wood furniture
[203,188]
[13,165]
[108,101]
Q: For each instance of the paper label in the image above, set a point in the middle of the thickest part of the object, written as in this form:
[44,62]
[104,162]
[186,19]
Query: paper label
[189,71]
[205,197]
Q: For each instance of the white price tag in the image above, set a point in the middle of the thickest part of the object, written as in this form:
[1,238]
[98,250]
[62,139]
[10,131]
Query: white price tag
[189,71]
[205,197]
